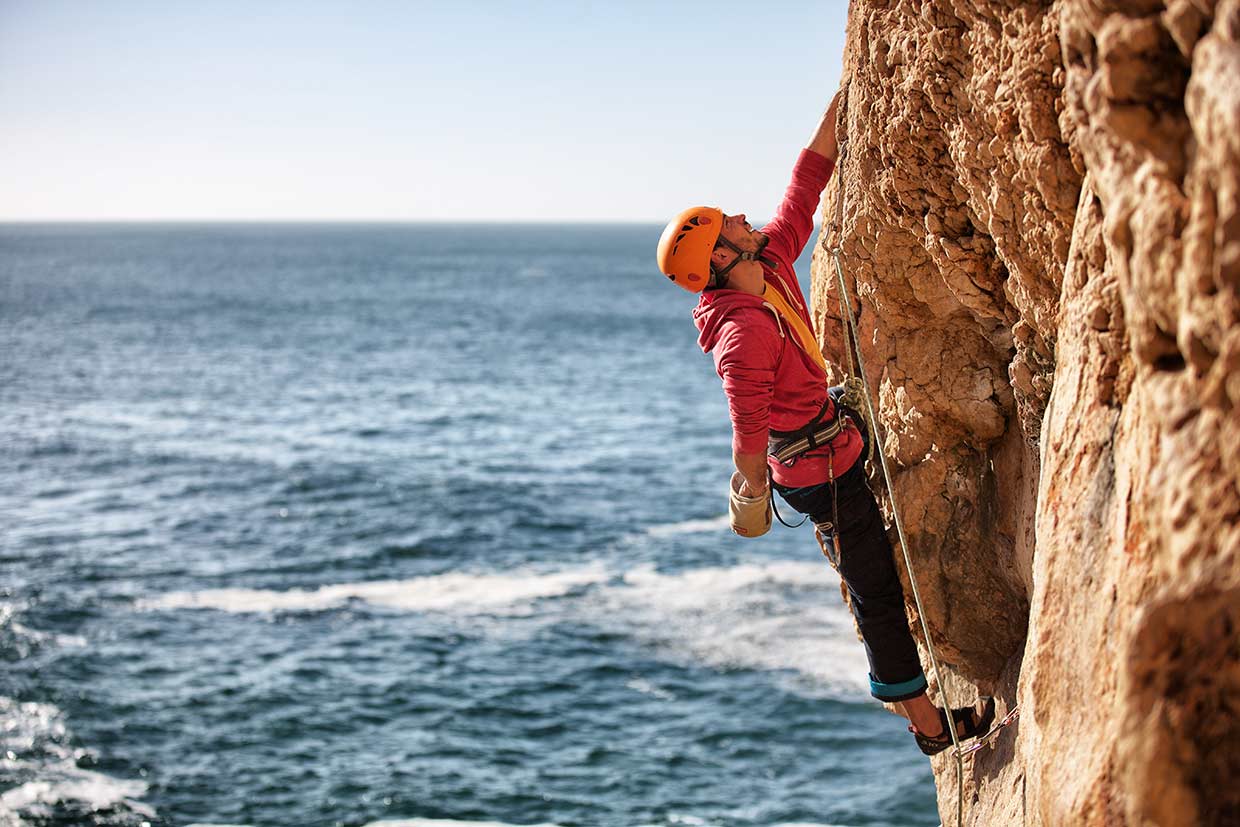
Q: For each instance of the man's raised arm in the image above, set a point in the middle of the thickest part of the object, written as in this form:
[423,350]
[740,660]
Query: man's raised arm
[823,140]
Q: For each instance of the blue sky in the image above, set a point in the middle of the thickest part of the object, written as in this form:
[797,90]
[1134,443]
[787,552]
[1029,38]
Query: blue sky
[406,111]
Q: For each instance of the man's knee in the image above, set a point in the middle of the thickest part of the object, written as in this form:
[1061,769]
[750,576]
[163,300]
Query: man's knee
[867,565]
[885,606]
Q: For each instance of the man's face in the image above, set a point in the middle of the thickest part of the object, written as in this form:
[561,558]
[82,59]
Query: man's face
[737,230]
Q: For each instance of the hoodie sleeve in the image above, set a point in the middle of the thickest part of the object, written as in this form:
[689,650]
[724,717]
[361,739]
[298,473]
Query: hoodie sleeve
[746,355]
[790,229]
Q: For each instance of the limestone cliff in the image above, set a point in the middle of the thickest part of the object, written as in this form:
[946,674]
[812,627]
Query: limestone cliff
[1042,234]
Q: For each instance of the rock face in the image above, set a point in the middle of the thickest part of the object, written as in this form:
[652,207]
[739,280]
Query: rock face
[1041,235]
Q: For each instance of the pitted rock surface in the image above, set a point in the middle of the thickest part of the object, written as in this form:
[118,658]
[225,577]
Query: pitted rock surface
[1041,241]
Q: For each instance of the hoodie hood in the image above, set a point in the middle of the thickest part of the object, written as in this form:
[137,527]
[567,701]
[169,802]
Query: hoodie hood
[713,309]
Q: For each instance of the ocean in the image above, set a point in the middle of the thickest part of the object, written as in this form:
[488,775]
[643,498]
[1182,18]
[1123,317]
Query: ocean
[400,525]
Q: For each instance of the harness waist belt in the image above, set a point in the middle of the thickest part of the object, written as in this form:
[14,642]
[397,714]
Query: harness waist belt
[788,450]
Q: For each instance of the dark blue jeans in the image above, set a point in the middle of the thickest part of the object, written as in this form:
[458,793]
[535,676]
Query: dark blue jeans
[868,570]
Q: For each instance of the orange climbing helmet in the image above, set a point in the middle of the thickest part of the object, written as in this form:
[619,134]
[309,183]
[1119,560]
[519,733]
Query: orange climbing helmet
[688,241]
[686,245]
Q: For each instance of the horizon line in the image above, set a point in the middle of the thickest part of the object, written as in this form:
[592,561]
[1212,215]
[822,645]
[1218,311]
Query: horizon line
[479,221]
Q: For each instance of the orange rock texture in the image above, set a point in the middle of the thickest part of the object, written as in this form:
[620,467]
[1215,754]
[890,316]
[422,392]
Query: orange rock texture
[1041,237]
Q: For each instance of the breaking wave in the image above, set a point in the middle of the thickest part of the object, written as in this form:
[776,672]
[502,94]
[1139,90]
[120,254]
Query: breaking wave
[771,615]
[38,759]
[471,593]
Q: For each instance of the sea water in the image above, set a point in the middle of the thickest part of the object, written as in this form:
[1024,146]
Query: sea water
[398,525]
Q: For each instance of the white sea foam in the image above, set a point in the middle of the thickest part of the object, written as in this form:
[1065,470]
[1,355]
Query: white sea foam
[36,636]
[24,639]
[647,688]
[782,615]
[688,820]
[719,523]
[459,592]
[94,790]
[34,743]
[771,615]
[445,822]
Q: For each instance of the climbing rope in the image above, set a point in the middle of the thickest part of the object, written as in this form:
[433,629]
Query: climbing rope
[857,372]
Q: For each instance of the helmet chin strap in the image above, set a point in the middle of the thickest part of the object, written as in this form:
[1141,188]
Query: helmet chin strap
[719,278]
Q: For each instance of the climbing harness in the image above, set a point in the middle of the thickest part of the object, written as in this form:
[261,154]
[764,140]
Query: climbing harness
[786,446]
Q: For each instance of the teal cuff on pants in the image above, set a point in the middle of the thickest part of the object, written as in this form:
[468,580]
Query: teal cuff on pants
[903,691]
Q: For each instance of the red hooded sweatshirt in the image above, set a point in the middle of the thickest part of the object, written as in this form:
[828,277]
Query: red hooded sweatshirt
[770,382]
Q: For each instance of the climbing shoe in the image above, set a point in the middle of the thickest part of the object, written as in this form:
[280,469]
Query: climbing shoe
[970,723]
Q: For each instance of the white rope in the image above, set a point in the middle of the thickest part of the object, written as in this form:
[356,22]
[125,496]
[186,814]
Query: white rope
[849,338]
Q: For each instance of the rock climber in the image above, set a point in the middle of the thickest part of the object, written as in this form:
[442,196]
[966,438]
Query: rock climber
[778,400]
